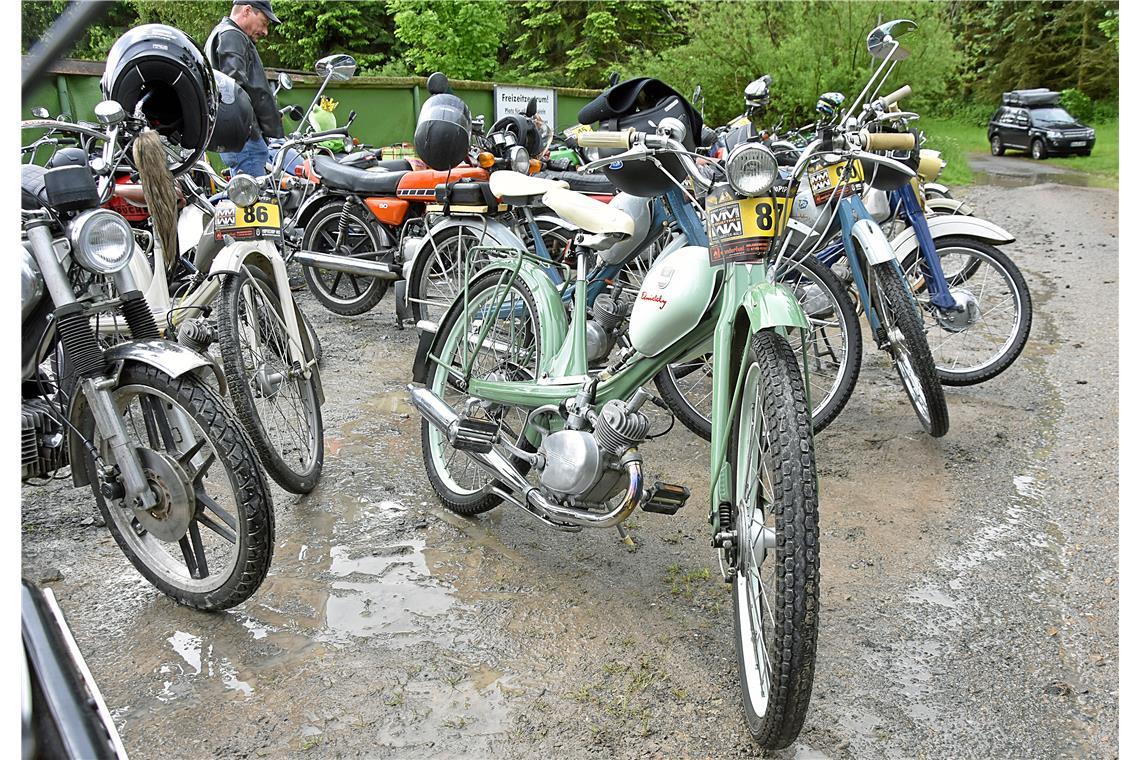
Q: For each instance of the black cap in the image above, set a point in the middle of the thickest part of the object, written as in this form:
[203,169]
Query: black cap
[265,6]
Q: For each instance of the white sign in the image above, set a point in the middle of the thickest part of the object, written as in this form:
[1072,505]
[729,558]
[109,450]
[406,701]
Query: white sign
[513,99]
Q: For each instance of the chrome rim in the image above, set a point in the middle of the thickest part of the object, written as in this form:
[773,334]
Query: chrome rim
[341,287]
[178,456]
[756,579]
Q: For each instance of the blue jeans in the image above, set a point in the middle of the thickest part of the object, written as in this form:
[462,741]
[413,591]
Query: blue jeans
[249,160]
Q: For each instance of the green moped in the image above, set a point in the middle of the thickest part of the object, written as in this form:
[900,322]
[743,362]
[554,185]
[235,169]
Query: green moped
[512,412]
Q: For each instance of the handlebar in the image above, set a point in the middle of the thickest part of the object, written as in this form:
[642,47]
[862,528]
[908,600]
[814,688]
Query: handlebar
[621,140]
[887,140]
[896,96]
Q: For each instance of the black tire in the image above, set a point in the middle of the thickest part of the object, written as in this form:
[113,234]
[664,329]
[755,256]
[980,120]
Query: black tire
[930,192]
[909,350]
[252,525]
[1038,150]
[344,294]
[975,281]
[294,457]
[478,497]
[836,342]
[790,513]
[997,147]
[1084,152]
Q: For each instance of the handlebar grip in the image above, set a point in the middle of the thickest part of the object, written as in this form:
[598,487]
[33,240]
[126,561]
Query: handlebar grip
[888,141]
[897,95]
[621,140]
[318,136]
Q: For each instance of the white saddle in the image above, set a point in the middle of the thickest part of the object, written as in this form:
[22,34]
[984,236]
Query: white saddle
[506,184]
[588,214]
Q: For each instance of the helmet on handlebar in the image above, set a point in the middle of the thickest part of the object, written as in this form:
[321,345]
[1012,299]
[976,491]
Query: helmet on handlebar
[643,103]
[158,71]
[236,118]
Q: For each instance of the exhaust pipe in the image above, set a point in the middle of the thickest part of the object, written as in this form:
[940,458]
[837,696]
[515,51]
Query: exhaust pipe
[527,496]
[349,265]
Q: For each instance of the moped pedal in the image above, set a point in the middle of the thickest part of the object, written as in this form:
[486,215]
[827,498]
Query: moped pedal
[665,498]
[475,435]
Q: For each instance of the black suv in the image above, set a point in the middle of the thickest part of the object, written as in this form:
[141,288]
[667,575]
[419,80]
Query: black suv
[1033,120]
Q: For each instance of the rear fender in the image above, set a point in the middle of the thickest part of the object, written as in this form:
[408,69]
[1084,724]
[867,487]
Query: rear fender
[949,206]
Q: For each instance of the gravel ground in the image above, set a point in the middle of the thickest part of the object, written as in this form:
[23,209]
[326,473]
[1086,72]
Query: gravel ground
[969,583]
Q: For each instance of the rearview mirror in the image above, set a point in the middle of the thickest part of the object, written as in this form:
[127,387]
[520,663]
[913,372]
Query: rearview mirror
[614,76]
[437,84]
[284,80]
[109,112]
[40,112]
[882,42]
[295,113]
[338,67]
[531,108]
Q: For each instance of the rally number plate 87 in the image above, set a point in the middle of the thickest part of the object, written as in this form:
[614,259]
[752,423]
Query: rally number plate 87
[742,229]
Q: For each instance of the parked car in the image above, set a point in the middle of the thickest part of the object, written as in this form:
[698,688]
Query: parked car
[1034,121]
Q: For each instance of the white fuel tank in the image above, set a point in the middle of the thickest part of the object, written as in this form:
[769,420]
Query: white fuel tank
[675,295]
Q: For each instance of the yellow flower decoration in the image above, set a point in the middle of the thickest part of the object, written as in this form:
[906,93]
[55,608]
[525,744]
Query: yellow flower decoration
[328,104]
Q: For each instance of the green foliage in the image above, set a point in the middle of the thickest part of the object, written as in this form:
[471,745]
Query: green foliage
[1078,104]
[312,30]
[461,39]
[577,44]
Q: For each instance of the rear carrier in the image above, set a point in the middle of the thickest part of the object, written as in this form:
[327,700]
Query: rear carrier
[467,196]
[1041,96]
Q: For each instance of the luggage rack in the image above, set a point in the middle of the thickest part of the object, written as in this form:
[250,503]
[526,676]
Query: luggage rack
[1040,96]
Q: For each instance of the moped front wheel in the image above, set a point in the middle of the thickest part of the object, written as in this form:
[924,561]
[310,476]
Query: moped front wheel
[775,552]
[509,351]
[274,400]
[903,336]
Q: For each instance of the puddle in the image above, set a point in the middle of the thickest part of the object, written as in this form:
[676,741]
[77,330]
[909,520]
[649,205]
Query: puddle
[179,681]
[1014,171]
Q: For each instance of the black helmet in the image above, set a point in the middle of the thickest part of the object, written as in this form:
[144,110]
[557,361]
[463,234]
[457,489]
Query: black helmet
[236,119]
[157,69]
[443,130]
[524,131]
[68,157]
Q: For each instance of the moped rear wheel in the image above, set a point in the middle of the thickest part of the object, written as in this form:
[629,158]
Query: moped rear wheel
[775,553]
[510,351]
[342,293]
[905,339]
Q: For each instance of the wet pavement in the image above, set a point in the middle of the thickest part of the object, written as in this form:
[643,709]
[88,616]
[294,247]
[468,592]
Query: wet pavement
[968,602]
[1014,170]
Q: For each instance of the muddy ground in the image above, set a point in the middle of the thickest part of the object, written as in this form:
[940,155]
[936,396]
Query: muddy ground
[969,584]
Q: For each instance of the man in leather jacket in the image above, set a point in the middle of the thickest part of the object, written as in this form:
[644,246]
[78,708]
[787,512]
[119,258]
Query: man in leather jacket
[230,49]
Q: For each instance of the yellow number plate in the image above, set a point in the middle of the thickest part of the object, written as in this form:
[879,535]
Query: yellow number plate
[260,220]
[825,179]
[741,229]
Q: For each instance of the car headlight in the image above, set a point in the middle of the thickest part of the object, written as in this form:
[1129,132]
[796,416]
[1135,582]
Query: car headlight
[1054,134]
[243,190]
[1090,134]
[751,169]
[519,159]
[101,240]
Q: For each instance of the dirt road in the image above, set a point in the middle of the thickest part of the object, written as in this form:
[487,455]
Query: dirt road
[968,600]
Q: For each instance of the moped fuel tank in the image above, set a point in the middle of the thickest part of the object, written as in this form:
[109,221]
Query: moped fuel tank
[674,296]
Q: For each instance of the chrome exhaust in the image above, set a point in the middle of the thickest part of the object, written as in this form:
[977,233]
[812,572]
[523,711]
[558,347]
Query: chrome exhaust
[525,494]
[349,265]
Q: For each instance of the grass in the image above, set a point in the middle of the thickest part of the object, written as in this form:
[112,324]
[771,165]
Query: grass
[956,138]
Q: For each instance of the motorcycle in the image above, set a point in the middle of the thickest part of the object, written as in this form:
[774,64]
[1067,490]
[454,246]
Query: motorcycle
[173,473]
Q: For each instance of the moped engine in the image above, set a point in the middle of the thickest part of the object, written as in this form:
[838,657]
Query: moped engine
[584,466]
[43,445]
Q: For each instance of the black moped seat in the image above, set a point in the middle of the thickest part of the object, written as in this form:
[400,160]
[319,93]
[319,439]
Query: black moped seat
[33,194]
[337,176]
[598,184]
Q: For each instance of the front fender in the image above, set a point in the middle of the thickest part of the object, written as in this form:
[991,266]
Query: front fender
[946,226]
[166,356]
[773,305]
[874,243]
[553,323]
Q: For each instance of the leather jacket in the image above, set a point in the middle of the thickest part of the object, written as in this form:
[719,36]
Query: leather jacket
[231,51]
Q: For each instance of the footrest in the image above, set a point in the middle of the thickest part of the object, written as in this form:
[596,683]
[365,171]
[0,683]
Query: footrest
[665,498]
[475,435]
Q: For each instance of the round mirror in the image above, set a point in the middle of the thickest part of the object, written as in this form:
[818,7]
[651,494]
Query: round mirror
[882,42]
[437,84]
[40,112]
[285,81]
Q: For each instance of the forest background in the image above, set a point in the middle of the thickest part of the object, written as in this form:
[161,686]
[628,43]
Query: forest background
[964,54]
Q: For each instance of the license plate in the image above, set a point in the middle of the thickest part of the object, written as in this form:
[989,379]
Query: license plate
[742,229]
[261,220]
[1078,143]
[824,180]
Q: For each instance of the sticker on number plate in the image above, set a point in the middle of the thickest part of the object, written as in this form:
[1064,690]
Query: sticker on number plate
[742,229]
[824,180]
[259,221]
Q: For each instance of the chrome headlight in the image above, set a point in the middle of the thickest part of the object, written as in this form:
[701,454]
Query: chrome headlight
[751,169]
[1054,134]
[243,190]
[101,240]
[519,159]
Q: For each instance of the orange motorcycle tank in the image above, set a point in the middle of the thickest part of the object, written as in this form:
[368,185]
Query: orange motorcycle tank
[388,210]
[420,185]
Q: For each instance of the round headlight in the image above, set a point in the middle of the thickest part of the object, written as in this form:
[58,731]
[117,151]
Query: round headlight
[243,190]
[101,241]
[751,169]
[519,159]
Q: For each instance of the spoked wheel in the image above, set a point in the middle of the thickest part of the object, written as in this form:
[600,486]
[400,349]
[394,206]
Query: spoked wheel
[277,404]
[341,293]
[986,334]
[208,540]
[510,351]
[906,341]
[835,353]
[775,556]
